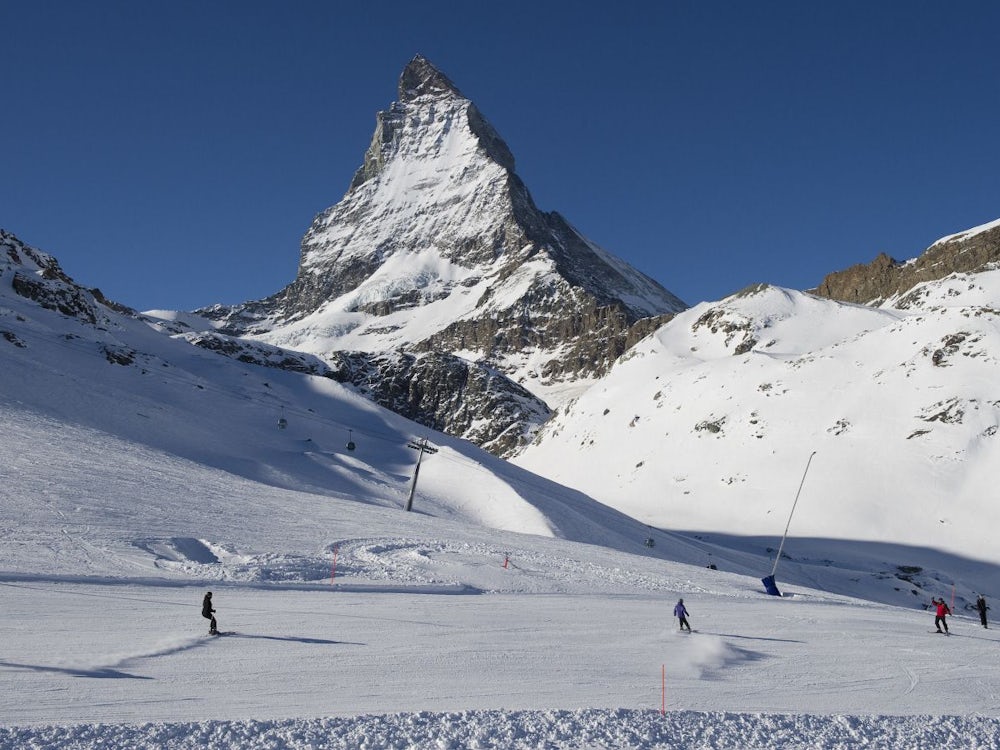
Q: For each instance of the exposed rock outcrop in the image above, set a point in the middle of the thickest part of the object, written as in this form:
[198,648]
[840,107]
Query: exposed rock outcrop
[875,282]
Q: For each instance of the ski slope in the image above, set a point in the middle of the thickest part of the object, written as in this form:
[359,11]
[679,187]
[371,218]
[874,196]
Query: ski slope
[138,472]
[355,624]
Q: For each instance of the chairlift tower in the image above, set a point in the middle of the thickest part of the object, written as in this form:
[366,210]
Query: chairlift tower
[423,448]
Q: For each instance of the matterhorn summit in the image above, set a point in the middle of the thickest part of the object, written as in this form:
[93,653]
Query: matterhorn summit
[438,250]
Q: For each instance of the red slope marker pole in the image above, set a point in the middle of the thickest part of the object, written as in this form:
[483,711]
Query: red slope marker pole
[333,566]
[663,689]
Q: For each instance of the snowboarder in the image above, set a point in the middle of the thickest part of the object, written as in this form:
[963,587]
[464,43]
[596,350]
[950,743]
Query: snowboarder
[981,606]
[681,613]
[207,612]
[941,612]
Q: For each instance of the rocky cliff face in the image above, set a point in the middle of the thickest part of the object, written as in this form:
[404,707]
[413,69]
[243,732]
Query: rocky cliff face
[37,276]
[437,251]
[975,250]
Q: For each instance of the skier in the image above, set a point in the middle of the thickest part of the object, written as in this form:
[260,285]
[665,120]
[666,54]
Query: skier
[681,613]
[207,612]
[981,606]
[941,612]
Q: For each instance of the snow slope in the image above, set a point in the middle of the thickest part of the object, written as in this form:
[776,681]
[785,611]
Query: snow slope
[707,426]
[137,472]
[352,624]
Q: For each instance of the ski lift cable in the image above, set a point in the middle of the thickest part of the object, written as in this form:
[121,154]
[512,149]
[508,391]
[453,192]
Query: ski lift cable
[87,347]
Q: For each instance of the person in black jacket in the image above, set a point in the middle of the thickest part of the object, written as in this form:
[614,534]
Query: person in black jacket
[208,612]
[981,606]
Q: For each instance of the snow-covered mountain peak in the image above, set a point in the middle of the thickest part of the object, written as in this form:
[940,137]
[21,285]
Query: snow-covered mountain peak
[421,78]
[438,248]
[438,180]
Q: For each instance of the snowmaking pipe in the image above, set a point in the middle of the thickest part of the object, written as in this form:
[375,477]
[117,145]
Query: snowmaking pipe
[783,536]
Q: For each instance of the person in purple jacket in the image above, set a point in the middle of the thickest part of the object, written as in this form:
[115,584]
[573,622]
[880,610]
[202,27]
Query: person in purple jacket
[681,613]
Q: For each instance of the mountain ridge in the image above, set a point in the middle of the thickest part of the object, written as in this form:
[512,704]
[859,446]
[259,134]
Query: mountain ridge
[970,251]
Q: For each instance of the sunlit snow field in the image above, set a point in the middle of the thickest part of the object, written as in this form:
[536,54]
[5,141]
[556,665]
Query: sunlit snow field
[417,635]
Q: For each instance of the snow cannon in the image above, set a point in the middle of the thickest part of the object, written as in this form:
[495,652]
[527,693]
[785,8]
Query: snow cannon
[770,586]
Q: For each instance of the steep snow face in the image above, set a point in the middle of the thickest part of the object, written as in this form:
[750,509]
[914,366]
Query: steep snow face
[437,190]
[437,246]
[708,424]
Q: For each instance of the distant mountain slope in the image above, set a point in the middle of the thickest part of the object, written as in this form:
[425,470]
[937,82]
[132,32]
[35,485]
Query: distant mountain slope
[973,250]
[108,395]
[438,248]
[708,424]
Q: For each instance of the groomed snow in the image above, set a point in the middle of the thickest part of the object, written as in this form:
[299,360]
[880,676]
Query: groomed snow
[355,624]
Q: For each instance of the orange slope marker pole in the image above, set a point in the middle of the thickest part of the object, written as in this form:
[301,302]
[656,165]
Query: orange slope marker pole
[663,689]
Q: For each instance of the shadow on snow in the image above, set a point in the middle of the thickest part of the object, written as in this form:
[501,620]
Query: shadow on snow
[99,673]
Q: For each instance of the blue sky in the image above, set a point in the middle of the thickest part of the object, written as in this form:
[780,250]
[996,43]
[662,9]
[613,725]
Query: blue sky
[173,153]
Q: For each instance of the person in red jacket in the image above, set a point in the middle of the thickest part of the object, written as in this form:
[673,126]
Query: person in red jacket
[941,612]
